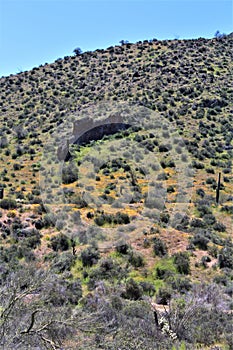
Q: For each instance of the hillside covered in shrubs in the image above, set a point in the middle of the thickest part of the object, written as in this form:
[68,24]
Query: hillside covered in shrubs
[119,236]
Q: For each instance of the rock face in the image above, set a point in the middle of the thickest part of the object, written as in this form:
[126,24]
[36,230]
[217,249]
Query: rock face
[88,129]
[99,131]
[63,151]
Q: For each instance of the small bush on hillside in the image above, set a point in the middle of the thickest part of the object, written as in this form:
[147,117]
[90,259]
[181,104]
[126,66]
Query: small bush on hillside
[225,258]
[33,239]
[63,262]
[163,273]
[182,262]
[180,222]
[164,295]
[200,241]
[24,252]
[209,219]
[136,259]
[49,220]
[218,226]
[197,223]
[148,288]
[8,204]
[203,210]
[108,269]
[69,174]
[198,316]
[122,248]
[159,247]
[164,218]
[16,166]
[228,209]
[117,219]
[77,200]
[90,256]
[181,284]
[60,242]
[62,292]
[39,224]
[133,290]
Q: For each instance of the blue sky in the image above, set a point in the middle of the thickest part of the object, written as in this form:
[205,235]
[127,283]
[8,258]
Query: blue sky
[33,32]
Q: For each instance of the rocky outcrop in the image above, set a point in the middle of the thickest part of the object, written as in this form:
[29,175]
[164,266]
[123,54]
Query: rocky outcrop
[88,129]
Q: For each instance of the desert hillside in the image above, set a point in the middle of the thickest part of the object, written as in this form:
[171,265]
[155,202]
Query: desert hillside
[116,199]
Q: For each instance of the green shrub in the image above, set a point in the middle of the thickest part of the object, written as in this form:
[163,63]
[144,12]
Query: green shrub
[34,240]
[159,247]
[8,203]
[60,292]
[182,285]
[90,256]
[77,200]
[107,269]
[60,242]
[203,210]
[200,241]
[200,192]
[23,251]
[163,273]
[63,262]
[49,220]
[170,189]
[133,290]
[122,247]
[165,148]
[99,220]
[197,223]
[136,259]
[182,262]
[164,217]
[225,258]
[148,288]
[227,208]
[121,218]
[164,295]
[16,166]
[218,226]
[209,219]
[69,174]
[117,219]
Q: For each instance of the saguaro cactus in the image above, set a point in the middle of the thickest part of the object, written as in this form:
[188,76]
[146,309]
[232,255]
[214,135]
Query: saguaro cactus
[218,188]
